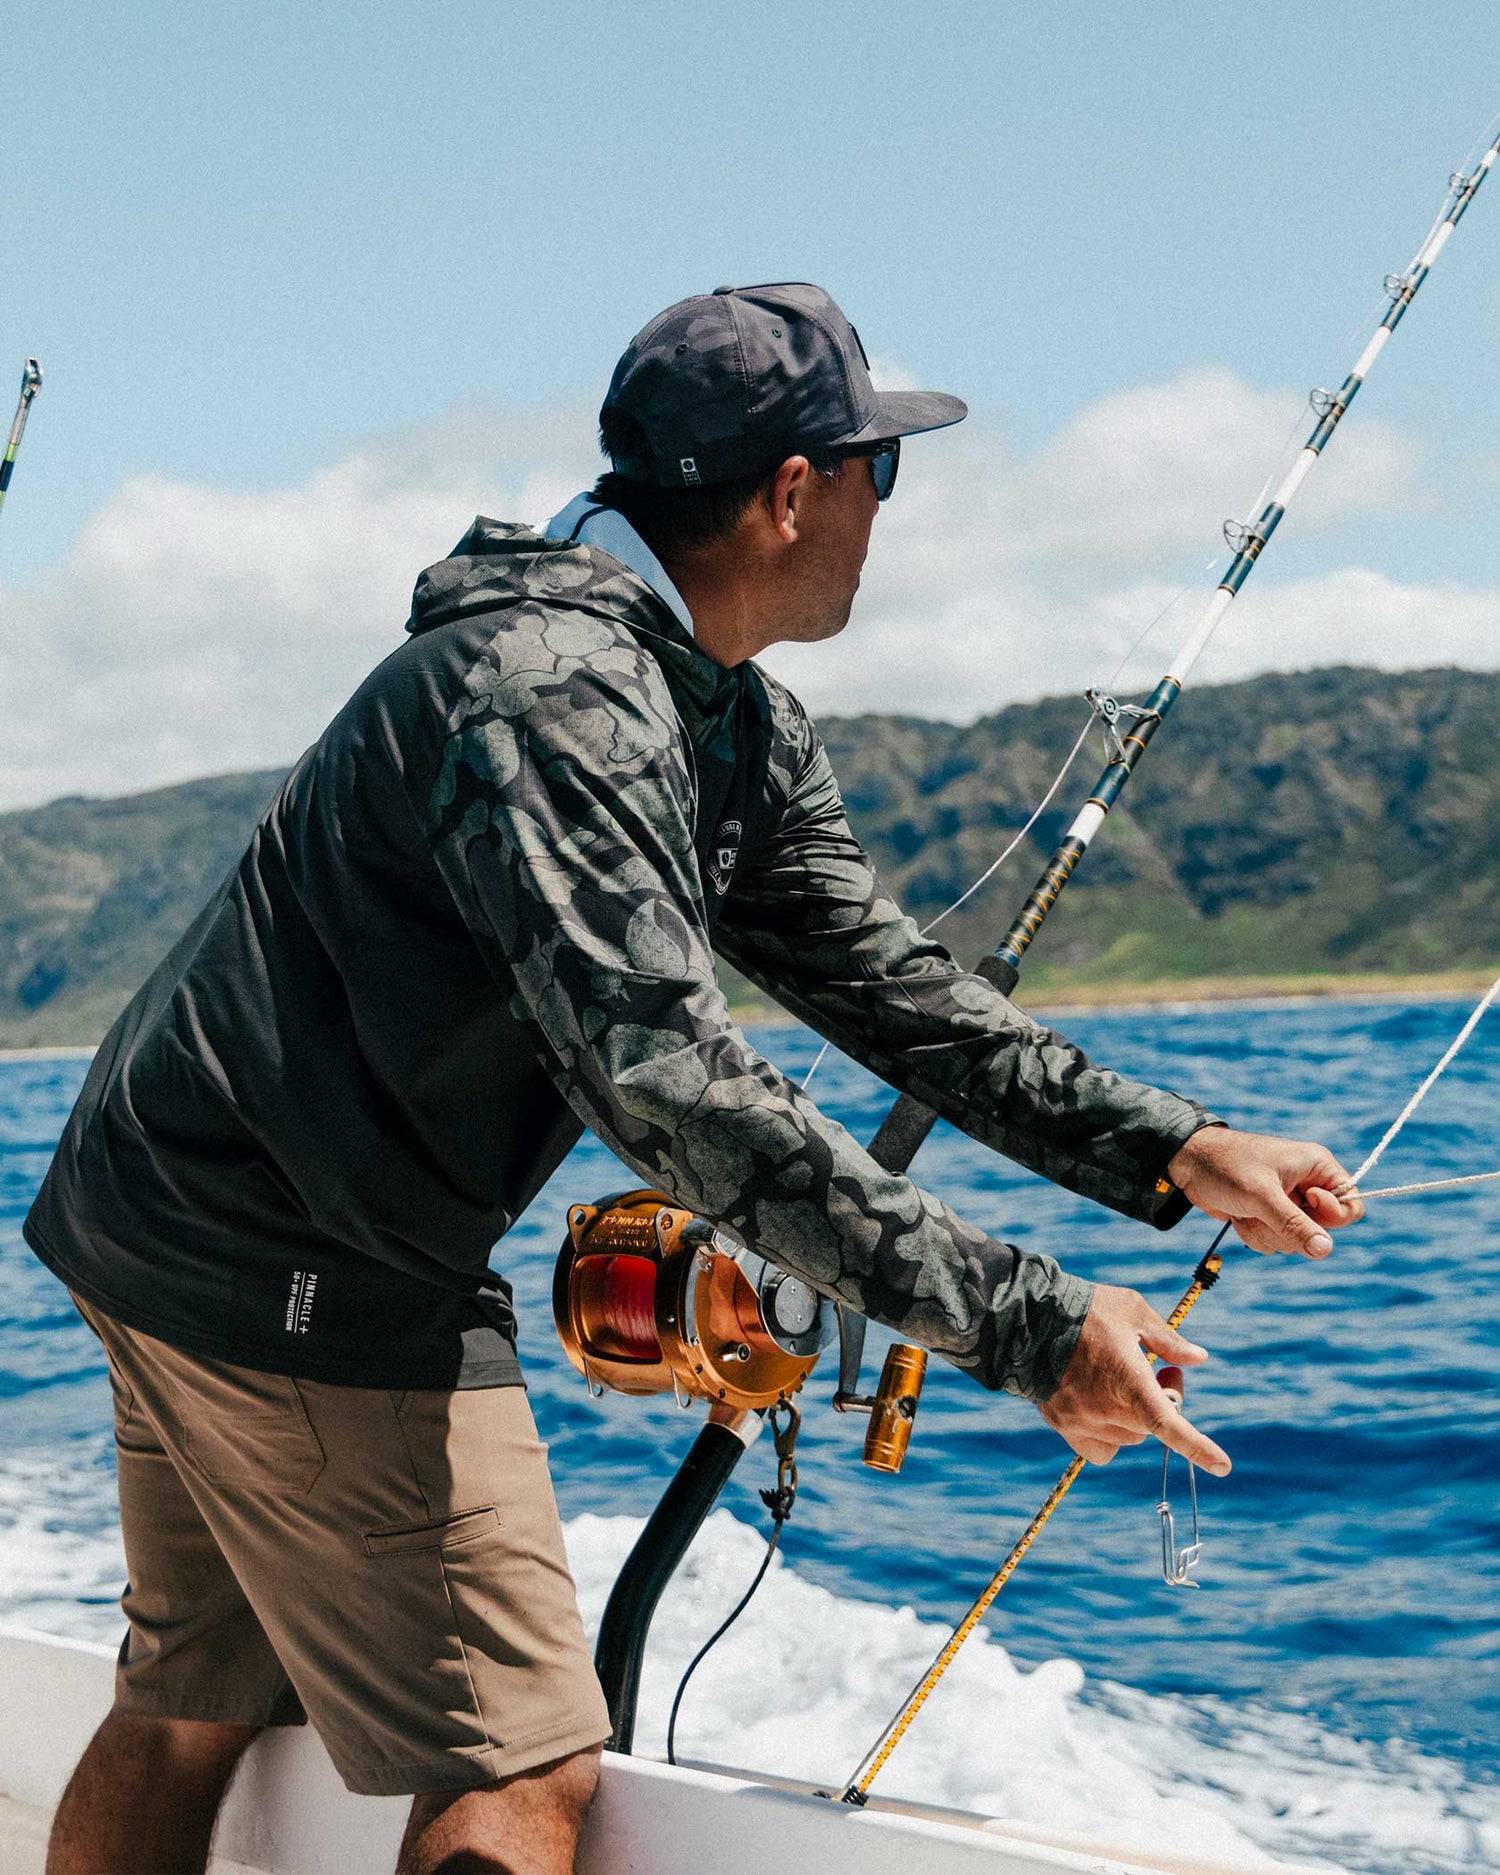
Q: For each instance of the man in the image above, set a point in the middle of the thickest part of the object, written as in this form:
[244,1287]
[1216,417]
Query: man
[481,914]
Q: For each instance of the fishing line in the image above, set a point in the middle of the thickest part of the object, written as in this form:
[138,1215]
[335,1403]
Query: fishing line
[1422,1092]
[1278,467]
[1062,773]
[1057,780]
[1041,807]
[857,1790]
[1431,1184]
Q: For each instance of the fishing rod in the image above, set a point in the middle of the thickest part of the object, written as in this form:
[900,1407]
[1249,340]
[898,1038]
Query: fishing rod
[31,383]
[909,1121]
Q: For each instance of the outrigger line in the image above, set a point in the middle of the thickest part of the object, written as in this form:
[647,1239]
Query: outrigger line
[31,383]
[909,1121]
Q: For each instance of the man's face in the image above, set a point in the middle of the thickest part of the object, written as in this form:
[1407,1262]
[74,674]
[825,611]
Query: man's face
[834,520]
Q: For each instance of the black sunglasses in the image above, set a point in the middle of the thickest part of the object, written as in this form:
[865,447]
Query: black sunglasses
[884,459]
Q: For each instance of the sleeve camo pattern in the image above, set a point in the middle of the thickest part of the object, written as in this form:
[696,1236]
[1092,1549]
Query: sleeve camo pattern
[562,820]
[809,921]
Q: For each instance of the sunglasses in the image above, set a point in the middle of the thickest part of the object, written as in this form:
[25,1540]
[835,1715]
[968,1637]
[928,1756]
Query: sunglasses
[884,459]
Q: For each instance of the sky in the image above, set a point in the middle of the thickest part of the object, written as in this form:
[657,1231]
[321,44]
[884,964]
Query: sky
[311,287]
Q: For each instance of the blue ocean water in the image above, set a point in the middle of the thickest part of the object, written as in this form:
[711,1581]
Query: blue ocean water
[1352,1562]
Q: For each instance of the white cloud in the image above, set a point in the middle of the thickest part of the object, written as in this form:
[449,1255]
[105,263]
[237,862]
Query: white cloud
[192,629]
[995,578]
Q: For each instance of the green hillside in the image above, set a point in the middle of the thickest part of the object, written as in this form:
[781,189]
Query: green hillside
[94,892]
[1344,822]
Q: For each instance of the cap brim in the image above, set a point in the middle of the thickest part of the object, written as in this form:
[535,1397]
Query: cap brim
[908,413]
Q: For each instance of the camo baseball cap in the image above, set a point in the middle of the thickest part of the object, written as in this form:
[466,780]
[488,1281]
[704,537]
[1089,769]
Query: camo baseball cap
[729,383]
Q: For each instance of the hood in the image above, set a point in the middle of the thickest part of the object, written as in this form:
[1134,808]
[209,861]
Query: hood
[499,564]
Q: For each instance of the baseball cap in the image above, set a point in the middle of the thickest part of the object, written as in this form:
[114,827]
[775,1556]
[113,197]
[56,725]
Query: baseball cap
[729,383]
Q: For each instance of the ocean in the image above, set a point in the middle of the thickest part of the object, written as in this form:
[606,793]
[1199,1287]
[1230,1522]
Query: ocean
[1330,1693]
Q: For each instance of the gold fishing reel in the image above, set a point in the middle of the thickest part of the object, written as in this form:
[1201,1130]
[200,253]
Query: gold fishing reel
[649,1298]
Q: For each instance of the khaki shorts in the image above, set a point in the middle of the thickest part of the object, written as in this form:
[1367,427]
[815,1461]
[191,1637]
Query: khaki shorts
[388,1565]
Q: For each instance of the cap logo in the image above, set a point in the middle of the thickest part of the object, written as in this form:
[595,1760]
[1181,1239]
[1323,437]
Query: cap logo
[690,475]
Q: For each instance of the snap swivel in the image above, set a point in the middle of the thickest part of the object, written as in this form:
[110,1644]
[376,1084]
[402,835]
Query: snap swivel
[1177,1561]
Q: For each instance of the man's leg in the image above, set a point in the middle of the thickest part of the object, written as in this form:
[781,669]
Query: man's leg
[526,1826]
[144,1797]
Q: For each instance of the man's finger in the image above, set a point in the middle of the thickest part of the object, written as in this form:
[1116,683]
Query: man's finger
[1332,1211]
[1177,1431]
[1299,1232]
[1125,1432]
[1158,1338]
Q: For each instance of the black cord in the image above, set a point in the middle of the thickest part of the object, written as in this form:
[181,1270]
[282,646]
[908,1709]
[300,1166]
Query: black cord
[718,1635]
[786,1423]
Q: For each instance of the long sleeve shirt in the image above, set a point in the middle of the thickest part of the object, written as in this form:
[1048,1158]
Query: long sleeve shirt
[482,913]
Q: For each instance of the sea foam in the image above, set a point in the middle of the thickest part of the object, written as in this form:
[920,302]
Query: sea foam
[804,1683]
[807,1679]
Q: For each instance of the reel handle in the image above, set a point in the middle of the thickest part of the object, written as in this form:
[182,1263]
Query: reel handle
[895,1406]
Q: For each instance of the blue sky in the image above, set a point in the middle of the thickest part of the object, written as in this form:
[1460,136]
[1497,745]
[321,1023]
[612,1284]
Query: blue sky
[246,241]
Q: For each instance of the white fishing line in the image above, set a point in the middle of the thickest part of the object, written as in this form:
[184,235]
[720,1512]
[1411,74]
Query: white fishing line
[1431,1184]
[1279,467]
[990,871]
[1041,807]
[1422,1092]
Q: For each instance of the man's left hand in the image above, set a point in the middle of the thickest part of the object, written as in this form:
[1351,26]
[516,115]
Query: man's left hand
[1277,1193]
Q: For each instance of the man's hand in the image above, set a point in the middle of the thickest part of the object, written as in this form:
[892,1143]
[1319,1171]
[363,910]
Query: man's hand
[1108,1396]
[1277,1193]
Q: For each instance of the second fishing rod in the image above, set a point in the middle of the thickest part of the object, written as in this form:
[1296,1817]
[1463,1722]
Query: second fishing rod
[1129,728]
[908,1122]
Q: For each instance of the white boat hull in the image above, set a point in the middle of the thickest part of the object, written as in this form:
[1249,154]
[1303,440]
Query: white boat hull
[288,1813]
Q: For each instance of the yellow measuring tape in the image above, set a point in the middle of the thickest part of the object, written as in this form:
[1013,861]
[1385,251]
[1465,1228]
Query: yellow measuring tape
[874,1761]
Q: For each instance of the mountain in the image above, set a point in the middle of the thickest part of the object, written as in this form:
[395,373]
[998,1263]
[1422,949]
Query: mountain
[94,892]
[1343,821]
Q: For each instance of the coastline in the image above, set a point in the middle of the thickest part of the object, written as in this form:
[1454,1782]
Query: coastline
[1060,999]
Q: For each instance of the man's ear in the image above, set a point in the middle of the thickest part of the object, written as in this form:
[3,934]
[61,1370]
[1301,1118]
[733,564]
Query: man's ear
[789,494]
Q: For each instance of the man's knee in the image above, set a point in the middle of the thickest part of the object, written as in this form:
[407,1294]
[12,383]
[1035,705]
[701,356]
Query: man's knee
[529,1822]
[571,1782]
[186,1747]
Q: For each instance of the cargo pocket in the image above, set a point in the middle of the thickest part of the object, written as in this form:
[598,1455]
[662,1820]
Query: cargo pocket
[249,1429]
[466,1526]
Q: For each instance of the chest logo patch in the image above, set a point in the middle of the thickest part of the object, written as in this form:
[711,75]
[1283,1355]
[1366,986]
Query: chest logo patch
[726,850]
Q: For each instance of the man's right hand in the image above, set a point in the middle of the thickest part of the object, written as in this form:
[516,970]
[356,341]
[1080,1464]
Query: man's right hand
[1108,1396]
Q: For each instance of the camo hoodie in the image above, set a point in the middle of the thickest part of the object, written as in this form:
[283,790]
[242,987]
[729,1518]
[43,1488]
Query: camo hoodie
[480,914]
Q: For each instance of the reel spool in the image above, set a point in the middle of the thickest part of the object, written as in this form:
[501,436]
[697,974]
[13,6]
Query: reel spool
[650,1299]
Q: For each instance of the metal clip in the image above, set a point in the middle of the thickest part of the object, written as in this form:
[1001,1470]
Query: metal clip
[1177,1564]
[780,1501]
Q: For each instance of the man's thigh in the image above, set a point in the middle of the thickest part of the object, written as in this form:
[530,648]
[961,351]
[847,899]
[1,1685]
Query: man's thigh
[193,1648]
[403,1555]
